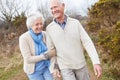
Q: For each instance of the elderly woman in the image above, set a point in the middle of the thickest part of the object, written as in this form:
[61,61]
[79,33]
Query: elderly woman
[34,50]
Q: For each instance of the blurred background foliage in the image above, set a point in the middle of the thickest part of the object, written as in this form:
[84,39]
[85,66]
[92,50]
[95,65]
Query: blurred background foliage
[102,24]
[104,27]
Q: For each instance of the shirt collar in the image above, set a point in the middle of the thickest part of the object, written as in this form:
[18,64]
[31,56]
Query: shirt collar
[65,21]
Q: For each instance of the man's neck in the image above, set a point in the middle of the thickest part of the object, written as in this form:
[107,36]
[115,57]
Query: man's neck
[61,20]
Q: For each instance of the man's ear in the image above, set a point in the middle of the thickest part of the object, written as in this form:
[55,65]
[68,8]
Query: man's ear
[63,4]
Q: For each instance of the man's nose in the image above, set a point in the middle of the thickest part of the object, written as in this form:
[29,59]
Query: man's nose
[53,10]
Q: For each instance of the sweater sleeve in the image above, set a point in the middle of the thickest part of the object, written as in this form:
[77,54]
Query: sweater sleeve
[88,45]
[51,52]
[26,52]
[49,41]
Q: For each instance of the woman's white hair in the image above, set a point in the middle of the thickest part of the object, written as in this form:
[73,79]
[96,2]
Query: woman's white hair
[32,17]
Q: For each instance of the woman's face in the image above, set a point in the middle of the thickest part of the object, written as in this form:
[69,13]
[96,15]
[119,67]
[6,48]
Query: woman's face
[37,26]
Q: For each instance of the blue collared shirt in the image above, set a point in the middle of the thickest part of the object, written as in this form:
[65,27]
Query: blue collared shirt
[62,25]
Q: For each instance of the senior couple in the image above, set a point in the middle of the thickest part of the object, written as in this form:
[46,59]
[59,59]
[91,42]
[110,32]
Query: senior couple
[59,51]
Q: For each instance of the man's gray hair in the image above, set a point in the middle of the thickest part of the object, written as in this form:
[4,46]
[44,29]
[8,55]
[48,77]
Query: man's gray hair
[32,17]
[61,1]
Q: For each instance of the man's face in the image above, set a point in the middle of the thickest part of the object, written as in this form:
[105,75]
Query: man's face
[57,9]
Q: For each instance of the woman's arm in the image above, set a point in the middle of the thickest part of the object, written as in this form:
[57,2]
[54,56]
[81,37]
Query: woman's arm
[50,54]
[45,56]
[26,52]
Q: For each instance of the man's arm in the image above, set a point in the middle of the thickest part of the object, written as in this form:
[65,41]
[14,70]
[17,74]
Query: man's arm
[50,47]
[54,68]
[91,50]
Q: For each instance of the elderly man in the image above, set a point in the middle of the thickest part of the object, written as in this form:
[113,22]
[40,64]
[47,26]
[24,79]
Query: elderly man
[69,38]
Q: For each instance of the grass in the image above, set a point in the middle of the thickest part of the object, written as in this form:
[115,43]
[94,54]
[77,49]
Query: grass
[16,71]
[5,75]
[13,70]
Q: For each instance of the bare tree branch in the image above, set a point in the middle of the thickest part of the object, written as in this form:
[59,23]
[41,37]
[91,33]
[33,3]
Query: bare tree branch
[10,9]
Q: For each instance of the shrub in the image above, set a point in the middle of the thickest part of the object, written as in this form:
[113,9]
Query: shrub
[104,24]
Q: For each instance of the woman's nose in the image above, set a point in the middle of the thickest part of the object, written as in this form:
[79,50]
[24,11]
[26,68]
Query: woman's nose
[40,26]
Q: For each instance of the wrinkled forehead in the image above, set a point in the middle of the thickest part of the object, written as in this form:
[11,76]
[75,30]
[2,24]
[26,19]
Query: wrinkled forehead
[54,3]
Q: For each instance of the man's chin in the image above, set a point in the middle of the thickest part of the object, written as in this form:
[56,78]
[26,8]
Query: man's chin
[56,16]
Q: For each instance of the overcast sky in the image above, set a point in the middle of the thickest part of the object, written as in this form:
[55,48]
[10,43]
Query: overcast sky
[78,6]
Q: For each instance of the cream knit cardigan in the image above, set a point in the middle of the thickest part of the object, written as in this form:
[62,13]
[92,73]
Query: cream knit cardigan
[70,44]
[27,48]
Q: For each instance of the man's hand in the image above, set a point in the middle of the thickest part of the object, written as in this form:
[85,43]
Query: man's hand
[97,70]
[49,54]
[56,74]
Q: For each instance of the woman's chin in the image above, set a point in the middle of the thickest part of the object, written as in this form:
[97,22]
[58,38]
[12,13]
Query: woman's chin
[38,32]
